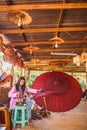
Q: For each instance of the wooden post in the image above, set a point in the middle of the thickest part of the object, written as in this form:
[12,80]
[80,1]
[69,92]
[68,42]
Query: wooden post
[22,72]
[86,80]
[12,73]
[45,102]
[44,99]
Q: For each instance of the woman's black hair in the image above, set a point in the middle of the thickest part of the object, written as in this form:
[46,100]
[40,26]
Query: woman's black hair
[18,84]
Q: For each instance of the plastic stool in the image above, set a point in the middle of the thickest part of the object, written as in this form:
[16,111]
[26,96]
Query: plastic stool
[19,116]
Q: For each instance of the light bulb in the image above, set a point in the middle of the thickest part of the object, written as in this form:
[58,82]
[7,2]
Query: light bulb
[31,52]
[56,45]
[19,22]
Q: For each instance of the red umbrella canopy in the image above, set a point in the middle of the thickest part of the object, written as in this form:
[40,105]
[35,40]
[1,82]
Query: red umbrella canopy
[60,91]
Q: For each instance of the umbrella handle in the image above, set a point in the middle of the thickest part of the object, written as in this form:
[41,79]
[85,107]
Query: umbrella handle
[44,99]
[45,106]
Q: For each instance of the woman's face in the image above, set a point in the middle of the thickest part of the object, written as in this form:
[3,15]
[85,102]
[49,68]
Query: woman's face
[22,82]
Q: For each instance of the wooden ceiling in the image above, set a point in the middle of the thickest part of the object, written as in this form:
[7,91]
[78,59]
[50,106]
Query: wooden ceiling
[65,18]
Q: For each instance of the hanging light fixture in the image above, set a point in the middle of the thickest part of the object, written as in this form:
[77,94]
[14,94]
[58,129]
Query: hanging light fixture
[19,21]
[56,45]
[61,53]
[20,17]
[31,48]
[57,41]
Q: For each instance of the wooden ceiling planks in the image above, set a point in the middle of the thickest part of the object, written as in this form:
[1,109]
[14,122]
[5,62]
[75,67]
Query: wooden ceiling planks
[72,29]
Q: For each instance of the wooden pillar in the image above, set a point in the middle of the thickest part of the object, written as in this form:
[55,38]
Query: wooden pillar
[72,74]
[12,73]
[22,72]
[86,79]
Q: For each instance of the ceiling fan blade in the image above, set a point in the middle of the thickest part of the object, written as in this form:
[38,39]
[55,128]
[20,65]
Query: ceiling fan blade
[67,54]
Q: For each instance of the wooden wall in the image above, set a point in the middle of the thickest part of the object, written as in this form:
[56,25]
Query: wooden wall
[4,96]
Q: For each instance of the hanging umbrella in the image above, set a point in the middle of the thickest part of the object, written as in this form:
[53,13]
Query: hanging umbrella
[20,17]
[62,92]
[31,48]
[56,38]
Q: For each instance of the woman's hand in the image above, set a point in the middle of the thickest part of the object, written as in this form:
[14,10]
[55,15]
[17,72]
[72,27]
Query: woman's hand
[39,90]
[19,95]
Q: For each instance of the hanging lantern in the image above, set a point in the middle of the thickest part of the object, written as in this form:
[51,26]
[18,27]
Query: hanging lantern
[83,57]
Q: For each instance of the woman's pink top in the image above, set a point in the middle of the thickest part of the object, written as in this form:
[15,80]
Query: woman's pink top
[13,95]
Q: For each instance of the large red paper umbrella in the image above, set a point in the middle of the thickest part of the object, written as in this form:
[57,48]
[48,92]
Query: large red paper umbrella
[60,91]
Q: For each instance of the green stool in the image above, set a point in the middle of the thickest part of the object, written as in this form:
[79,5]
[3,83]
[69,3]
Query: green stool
[19,116]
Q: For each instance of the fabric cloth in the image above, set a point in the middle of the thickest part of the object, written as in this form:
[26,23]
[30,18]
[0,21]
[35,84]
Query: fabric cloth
[29,103]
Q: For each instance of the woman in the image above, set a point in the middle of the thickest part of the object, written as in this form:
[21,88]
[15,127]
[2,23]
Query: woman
[19,91]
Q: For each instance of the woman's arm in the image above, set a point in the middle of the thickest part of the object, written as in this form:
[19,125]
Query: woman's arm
[32,90]
[13,93]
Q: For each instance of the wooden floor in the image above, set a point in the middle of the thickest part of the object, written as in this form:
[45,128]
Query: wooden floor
[75,119]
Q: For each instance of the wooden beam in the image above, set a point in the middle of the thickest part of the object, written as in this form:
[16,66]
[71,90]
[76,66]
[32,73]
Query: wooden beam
[55,50]
[49,58]
[43,6]
[37,30]
[55,67]
[46,42]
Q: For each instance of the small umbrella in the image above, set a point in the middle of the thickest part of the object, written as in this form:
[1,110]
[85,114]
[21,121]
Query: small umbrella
[31,48]
[20,17]
[62,92]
